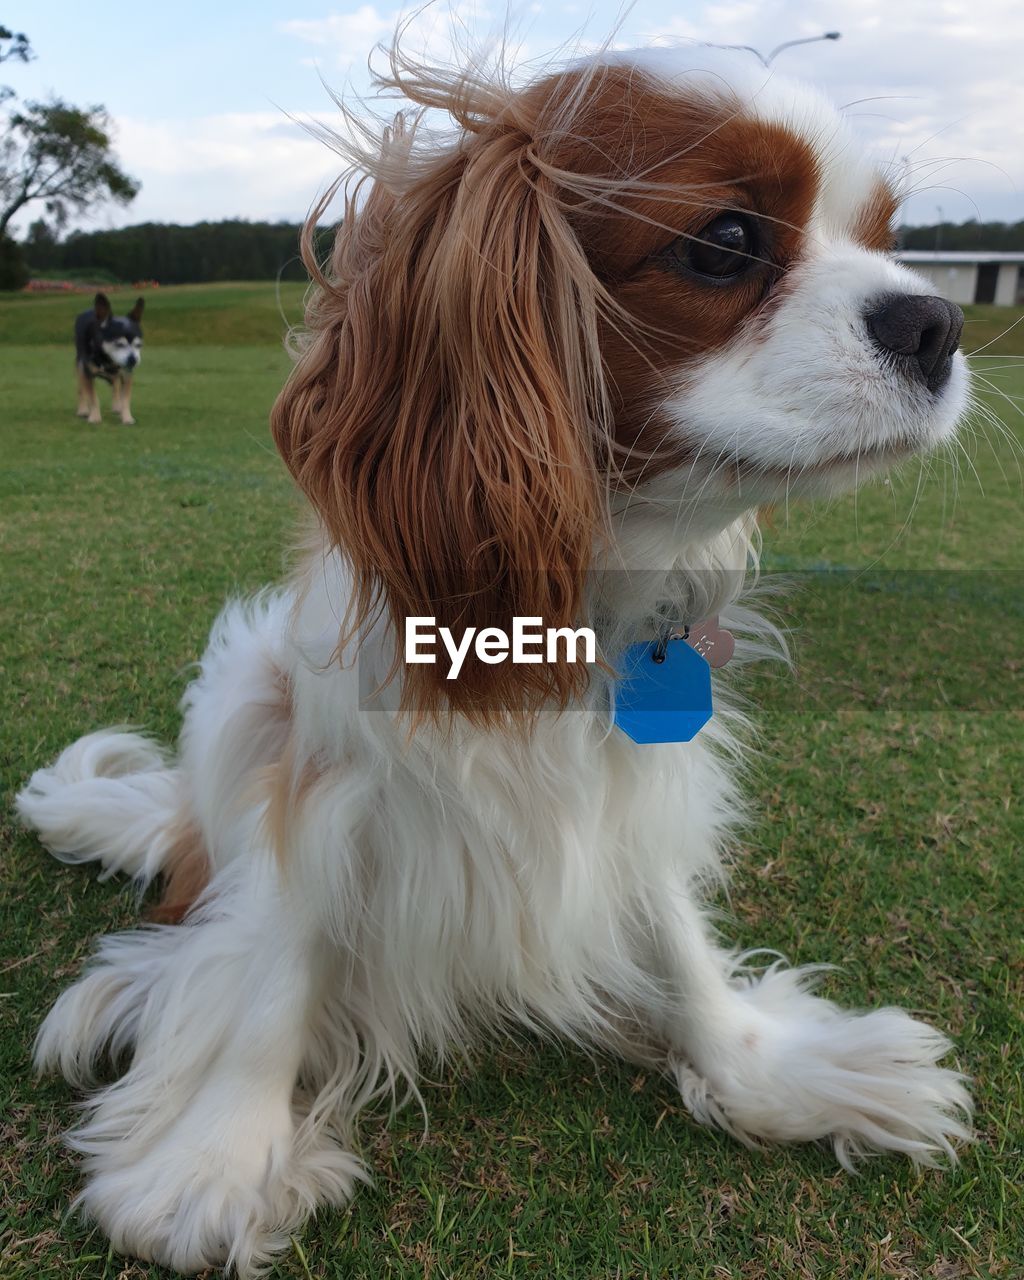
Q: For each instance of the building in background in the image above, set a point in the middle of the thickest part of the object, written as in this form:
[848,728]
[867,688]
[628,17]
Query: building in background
[971,276]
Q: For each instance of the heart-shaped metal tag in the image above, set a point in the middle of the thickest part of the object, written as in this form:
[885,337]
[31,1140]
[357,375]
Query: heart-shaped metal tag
[714,644]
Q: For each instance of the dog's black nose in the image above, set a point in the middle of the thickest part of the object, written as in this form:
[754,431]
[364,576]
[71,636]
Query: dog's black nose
[921,331]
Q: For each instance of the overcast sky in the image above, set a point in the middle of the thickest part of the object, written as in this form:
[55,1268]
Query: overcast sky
[201,94]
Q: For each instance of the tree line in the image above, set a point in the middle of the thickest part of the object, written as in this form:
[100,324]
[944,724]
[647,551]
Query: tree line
[990,237]
[206,251]
[235,249]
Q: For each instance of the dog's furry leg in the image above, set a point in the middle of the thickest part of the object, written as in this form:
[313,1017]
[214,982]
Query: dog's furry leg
[200,1155]
[116,393]
[94,415]
[124,405]
[764,1058]
[111,797]
[82,382]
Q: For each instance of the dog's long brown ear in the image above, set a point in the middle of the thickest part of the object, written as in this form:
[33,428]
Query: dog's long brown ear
[101,306]
[443,418]
[136,312]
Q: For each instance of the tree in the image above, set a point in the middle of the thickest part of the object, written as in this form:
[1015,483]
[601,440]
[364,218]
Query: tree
[14,47]
[61,155]
[228,250]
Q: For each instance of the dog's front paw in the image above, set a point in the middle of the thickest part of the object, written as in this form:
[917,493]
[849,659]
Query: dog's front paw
[127,420]
[94,418]
[801,1068]
[215,1187]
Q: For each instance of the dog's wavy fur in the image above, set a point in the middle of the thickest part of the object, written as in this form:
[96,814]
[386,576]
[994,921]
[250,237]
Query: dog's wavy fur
[359,886]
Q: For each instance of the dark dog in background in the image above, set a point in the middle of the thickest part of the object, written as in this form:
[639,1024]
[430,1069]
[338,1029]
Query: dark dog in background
[107,347]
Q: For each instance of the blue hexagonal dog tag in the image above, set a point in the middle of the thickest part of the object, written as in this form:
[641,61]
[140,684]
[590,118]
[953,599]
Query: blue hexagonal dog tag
[663,701]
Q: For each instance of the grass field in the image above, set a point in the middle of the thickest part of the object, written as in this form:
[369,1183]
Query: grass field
[889,842]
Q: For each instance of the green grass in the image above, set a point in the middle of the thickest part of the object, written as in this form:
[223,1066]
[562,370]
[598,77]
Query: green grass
[888,844]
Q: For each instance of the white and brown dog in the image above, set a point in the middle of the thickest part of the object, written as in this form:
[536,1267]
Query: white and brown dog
[108,347]
[557,360]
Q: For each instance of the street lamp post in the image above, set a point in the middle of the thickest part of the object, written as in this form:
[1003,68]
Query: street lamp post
[829,35]
[788,44]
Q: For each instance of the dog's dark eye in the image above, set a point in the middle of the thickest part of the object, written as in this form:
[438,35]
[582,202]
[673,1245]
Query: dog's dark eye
[724,248]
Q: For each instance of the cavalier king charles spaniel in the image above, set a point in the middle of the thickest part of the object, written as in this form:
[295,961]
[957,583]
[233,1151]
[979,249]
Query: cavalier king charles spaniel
[559,357]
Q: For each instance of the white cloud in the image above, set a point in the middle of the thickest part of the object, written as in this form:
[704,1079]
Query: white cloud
[255,165]
[435,31]
[344,37]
